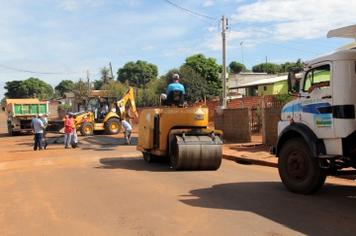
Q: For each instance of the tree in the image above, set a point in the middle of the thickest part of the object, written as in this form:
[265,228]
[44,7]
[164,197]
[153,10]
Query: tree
[105,75]
[236,67]
[138,74]
[64,86]
[285,67]
[115,89]
[29,88]
[81,91]
[98,84]
[196,87]
[269,68]
[208,69]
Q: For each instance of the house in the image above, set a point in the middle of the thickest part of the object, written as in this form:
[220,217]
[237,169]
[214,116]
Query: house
[259,84]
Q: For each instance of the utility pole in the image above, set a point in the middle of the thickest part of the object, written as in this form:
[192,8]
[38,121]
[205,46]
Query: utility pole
[112,75]
[88,84]
[223,34]
[242,52]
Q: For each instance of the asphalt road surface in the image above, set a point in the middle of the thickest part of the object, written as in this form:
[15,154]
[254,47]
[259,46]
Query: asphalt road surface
[105,188]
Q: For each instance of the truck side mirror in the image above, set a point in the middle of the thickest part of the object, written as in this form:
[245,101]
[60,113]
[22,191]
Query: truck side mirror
[294,78]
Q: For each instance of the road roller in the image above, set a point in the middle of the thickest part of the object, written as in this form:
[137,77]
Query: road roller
[180,134]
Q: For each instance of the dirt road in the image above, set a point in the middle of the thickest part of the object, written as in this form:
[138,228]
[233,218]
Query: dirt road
[105,188]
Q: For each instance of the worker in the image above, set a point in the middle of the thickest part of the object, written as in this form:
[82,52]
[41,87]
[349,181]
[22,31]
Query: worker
[68,129]
[44,119]
[175,85]
[175,92]
[127,129]
[37,127]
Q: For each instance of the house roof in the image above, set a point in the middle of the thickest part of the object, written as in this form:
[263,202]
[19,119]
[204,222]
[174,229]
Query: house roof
[264,81]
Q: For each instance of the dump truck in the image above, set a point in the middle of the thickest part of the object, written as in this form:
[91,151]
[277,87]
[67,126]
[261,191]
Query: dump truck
[182,135]
[20,113]
[317,131]
[89,121]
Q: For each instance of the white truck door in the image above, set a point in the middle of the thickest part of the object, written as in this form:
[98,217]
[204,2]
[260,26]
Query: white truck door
[316,100]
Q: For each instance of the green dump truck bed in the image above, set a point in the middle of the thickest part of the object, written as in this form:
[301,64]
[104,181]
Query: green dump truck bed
[26,107]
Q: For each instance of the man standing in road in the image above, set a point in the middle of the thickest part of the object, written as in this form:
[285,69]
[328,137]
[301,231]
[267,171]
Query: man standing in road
[37,127]
[127,129]
[68,129]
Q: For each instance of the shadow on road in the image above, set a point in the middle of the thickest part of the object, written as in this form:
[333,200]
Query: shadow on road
[134,163]
[329,212]
[105,141]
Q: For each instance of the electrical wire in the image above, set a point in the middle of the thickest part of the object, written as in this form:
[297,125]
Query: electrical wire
[36,72]
[191,12]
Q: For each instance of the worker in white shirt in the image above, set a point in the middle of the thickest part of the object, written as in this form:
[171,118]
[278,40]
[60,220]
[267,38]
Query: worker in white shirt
[127,129]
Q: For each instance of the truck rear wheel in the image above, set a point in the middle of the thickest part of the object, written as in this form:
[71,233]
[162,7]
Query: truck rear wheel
[298,169]
[87,129]
[112,126]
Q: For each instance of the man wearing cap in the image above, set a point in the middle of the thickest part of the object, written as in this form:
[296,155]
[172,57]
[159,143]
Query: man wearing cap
[175,85]
[38,127]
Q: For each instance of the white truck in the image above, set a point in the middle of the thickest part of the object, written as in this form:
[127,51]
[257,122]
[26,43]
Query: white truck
[317,131]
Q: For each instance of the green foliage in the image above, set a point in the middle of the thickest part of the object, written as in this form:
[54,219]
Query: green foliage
[64,86]
[115,89]
[269,68]
[98,84]
[29,88]
[236,67]
[64,107]
[272,68]
[285,67]
[81,91]
[137,73]
[283,98]
[208,69]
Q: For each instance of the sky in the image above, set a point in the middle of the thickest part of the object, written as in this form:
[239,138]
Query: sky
[61,39]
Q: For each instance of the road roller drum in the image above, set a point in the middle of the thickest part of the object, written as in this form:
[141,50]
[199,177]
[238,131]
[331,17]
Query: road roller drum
[196,152]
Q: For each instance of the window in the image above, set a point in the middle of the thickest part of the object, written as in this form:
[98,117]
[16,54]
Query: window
[265,88]
[317,78]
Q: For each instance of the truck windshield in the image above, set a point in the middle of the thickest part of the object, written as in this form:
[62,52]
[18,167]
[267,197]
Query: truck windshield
[317,77]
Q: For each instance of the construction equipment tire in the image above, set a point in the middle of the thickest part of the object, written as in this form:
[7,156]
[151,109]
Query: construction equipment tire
[112,126]
[87,129]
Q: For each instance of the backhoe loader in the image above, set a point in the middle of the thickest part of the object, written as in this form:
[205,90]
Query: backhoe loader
[110,121]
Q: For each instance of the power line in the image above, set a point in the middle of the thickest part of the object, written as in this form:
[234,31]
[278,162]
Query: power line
[36,72]
[190,11]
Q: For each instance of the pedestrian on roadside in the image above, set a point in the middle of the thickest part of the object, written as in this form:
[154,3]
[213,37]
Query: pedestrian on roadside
[68,129]
[127,130]
[37,127]
[44,119]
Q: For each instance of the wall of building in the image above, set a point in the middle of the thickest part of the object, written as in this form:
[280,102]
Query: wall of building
[235,124]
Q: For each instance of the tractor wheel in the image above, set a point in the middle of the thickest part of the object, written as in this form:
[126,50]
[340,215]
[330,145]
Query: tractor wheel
[112,126]
[298,169]
[87,129]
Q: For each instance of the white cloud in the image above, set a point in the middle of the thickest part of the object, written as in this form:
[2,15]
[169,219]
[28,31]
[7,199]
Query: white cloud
[298,19]
[208,3]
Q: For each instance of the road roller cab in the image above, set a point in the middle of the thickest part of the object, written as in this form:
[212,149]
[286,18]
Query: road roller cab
[182,135]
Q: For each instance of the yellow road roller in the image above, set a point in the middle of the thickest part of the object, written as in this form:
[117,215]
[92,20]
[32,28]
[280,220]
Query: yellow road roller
[182,135]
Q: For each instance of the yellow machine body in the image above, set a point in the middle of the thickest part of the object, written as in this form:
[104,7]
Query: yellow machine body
[182,133]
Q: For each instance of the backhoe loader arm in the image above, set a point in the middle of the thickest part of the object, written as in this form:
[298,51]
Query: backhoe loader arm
[130,99]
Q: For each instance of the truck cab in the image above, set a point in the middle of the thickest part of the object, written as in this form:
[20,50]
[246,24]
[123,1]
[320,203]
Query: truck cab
[317,131]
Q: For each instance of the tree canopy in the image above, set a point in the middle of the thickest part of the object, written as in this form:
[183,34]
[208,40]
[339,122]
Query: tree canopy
[269,68]
[137,73]
[236,67]
[64,86]
[29,88]
[208,69]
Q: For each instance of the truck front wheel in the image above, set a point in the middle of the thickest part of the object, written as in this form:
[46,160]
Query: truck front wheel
[298,169]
